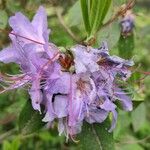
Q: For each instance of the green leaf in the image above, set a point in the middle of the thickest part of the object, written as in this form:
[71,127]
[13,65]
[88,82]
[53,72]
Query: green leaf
[95,14]
[74,15]
[15,143]
[13,6]
[138,117]
[29,120]
[96,136]
[98,13]
[106,8]
[123,122]
[110,34]
[126,46]
[3,19]
[85,14]
[6,145]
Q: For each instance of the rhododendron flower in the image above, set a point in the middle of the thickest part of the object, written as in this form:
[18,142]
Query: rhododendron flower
[88,93]
[32,57]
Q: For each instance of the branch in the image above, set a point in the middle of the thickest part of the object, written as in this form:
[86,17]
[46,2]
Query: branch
[122,10]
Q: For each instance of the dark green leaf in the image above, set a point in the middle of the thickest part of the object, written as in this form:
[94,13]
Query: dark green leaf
[136,104]
[98,13]
[106,8]
[126,46]
[96,137]
[30,120]
[95,14]
[110,34]
[85,14]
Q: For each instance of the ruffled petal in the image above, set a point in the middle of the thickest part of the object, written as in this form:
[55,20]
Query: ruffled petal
[84,60]
[114,120]
[61,106]
[96,115]
[36,95]
[22,26]
[75,109]
[50,115]
[8,55]
[124,99]
[40,24]
[61,85]
[110,107]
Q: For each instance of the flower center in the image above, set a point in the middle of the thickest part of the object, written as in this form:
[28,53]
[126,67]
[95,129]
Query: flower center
[81,85]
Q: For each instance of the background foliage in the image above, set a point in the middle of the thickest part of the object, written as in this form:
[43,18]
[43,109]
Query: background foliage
[133,129]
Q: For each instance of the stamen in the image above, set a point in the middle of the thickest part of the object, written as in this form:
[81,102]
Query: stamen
[73,139]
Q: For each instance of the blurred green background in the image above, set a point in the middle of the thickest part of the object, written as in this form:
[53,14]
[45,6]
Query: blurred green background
[133,129]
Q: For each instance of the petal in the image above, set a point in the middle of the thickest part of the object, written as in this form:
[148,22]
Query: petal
[124,99]
[75,129]
[103,51]
[49,116]
[40,24]
[84,60]
[79,66]
[75,108]
[92,93]
[8,55]
[61,106]
[36,95]
[22,26]
[96,115]
[108,105]
[114,120]
[61,85]
[55,71]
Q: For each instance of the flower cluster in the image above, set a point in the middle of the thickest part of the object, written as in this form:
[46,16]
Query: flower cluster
[76,86]
[127,23]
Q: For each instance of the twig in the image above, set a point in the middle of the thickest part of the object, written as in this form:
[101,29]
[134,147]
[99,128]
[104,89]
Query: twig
[67,29]
[123,9]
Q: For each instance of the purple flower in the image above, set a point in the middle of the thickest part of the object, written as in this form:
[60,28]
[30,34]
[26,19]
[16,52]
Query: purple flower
[89,93]
[84,59]
[127,23]
[37,61]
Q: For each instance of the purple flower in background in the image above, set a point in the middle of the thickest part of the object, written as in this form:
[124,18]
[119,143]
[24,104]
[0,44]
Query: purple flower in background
[127,23]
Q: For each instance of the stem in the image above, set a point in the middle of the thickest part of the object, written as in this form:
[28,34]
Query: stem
[122,10]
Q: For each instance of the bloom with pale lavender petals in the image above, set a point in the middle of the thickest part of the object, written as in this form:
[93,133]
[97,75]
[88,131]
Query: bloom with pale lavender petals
[36,60]
[88,93]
